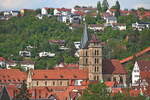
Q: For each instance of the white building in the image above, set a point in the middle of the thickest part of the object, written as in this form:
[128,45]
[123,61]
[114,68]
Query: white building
[77,44]
[27,64]
[111,20]
[140,26]
[96,27]
[140,73]
[44,11]
[119,26]
[135,74]
[2,62]
[25,53]
[46,54]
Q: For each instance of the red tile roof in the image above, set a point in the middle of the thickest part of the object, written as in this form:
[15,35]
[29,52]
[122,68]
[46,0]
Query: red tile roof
[60,74]
[12,76]
[134,92]
[63,9]
[113,66]
[79,13]
[2,59]
[136,55]
[109,83]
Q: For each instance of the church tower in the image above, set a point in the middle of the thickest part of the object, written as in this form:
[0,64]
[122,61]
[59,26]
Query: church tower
[90,55]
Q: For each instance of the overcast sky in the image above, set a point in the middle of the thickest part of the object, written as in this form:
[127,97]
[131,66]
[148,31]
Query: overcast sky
[33,4]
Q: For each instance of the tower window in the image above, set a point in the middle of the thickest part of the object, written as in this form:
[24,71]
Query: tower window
[37,83]
[86,53]
[86,61]
[45,83]
[53,83]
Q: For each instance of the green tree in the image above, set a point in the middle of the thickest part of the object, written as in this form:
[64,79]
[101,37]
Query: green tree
[38,11]
[99,7]
[96,92]
[117,6]
[105,5]
[23,92]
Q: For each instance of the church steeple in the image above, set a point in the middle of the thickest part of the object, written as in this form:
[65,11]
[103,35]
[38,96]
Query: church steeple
[85,38]
[4,94]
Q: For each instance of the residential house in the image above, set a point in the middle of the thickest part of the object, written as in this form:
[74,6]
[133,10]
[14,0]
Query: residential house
[10,63]
[23,12]
[75,18]
[122,12]
[27,64]
[62,11]
[77,44]
[63,18]
[140,73]
[14,13]
[143,14]
[110,20]
[46,54]
[96,27]
[2,62]
[46,11]
[140,26]
[119,26]
[25,53]
[6,13]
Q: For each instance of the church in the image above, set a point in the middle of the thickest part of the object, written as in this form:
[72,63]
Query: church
[91,59]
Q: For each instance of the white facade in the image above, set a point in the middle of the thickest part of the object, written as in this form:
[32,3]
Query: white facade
[77,45]
[56,12]
[46,54]
[44,11]
[14,13]
[27,66]
[111,20]
[6,13]
[25,53]
[135,74]
[121,28]
[2,64]
[97,28]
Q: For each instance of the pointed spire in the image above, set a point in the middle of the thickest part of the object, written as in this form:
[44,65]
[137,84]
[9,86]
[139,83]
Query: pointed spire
[4,94]
[85,38]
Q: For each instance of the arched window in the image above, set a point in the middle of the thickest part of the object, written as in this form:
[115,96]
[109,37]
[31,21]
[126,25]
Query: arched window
[121,79]
[45,83]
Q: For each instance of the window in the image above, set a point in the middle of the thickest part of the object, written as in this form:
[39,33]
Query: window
[45,83]
[94,77]
[86,53]
[53,83]
[61,83]
[86,61]
[136,75]
[37,83]
[97,78]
